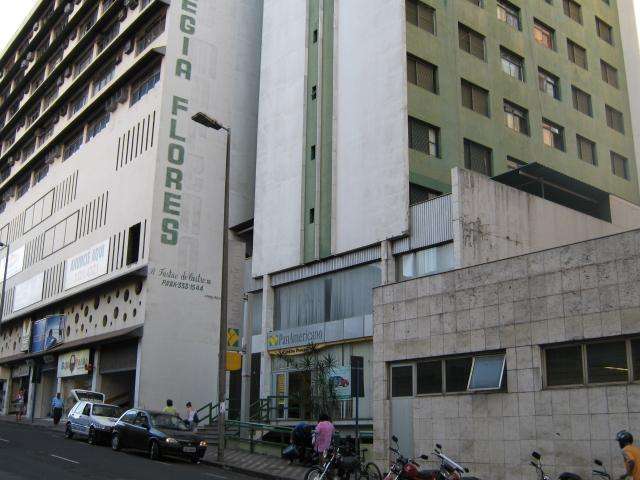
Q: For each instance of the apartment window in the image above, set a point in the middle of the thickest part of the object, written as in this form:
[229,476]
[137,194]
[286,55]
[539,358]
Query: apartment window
[543,35]
[564,366]
[424,137]
[108,35]
[419,194]
[552,134]
[22,187]
[615,120]
[402,381]
[46,133]
[457,371]
[619,166]
[426,261]
[37,81]
[577,54]
[512,64]
[79,102]
[422,74]
[4,173]
[73,145]
[315,36]
[82,62]
[153,31]
[471,41]
[609,74]
[516,118]
[605,31]
[33,115]
[573,10]
[549,83]
[581,101]
[509,14]
[88,23]
[475,98]
[49,97]
[104,78]
[586,150]
[313,152]
[421,15]
[477,157]
[133,244]
[145,86]
[430,377]
[314,92]
[97,126]
[514,163]
[56,58]
[40,172]
[28,150]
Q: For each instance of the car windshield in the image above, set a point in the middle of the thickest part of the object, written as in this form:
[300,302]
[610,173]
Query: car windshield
[164,420]
[107,411]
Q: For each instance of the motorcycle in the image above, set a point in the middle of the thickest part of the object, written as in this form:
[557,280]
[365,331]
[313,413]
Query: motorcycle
[404,468]
[602,471]
[449,469]
[537,464]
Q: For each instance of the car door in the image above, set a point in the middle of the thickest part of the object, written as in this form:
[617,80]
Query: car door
[74,416]
[140,431]
[84,419]
[124,427]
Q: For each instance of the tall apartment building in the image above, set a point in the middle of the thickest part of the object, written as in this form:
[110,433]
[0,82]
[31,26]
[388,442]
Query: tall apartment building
[112,197]
[365,108]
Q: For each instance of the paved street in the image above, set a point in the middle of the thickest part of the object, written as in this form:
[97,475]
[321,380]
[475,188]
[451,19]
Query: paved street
[35,453]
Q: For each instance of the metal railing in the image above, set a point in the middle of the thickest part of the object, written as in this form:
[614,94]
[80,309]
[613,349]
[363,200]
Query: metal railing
[282,407]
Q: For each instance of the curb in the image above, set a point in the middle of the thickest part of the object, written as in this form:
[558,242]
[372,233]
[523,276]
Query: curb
[245,471]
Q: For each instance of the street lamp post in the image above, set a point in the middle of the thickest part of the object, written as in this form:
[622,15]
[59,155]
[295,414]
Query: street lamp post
[209,122]
[4,279]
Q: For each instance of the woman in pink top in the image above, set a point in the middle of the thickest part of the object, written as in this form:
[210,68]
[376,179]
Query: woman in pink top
[323,434]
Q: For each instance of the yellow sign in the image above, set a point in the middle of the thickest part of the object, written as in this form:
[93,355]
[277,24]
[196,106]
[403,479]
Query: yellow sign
[233,337]
[234,361]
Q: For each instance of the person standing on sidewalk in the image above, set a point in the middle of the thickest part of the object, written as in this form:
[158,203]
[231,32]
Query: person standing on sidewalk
[20,400]
[57,406]
[323,435]
[170,409]
[192,417]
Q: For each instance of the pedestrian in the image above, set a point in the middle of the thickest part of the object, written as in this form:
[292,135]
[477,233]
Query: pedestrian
[19,400]
[191,417]
[301,437]
[323,435]
[630,454]
[170,409]
[57,406]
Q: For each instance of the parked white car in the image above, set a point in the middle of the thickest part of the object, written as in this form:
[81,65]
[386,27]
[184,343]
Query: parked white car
[93,420]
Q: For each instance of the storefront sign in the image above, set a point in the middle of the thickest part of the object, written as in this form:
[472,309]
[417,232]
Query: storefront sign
[234,361]
[297,337]
[47,333]
[73,363]
[28,292]
[25,338]
[233,338]
[90,264]
[20,371]
[16,262]
[341,378]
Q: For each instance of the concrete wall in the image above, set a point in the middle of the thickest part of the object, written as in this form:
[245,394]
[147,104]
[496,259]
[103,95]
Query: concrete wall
[493,221]
[587,290]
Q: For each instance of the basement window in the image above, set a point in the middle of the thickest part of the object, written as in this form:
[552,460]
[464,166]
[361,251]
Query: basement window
[133,247]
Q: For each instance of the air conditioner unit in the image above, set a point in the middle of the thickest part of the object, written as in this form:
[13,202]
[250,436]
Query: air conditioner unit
[68,72]
[111,105]
[123,95]
[128,47]
[131,3]
[122,14]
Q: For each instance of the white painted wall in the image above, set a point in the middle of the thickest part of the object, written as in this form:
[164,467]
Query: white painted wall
[278,203]
[371,161]
[629,15]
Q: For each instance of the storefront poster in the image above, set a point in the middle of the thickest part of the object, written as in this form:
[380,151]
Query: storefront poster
[16,262]
[341,378]
[20,371]
[90,264]
[47,333]
[73,363]
[25,338]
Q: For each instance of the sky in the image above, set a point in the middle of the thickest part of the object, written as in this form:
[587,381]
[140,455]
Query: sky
[13,13]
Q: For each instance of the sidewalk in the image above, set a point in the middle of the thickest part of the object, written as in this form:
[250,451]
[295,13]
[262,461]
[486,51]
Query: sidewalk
[36,422]
[262,466]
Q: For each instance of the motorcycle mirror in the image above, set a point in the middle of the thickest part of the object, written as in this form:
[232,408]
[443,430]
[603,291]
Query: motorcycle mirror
[424,457]
[598,462]
[466,470]
[438,446]
[536,455]
[394,438]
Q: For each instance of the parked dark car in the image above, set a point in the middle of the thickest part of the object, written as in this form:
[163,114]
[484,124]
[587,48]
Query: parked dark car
[159,434]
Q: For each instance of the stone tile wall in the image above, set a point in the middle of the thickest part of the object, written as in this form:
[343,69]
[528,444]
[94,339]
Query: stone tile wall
[587,290]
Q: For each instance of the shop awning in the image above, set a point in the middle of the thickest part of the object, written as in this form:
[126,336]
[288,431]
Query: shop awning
[118,335]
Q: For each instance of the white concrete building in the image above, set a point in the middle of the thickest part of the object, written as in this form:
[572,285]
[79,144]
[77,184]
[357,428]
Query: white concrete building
[112,197]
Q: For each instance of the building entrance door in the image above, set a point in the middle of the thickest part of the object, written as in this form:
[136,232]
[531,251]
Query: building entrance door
[299,395]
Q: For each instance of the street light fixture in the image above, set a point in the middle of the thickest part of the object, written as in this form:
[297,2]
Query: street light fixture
[4,279]
[209,122]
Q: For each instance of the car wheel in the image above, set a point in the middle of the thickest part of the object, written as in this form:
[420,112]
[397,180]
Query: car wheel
[154,451]
[91,438]
[115,442]
[68,433]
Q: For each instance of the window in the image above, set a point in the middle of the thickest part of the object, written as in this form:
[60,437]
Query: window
[514,163]
[577,54]
[475,98]
[422,74]
[97,126]
[314,92]
[22,187]
[426,261]
[45,133]
[615,120]
[60,235]
[619,166]
[357,376]
[402,381]
[457,372]
[28,150]
[82,62]
[144,87]
[39,172]
[509,14]
[487,372]
[49,97]
[516,118]
[609,74]
[73,145]
[89,21]
[421,15]
[573,10]
[4,173]
[429,377]
[79,102]
[586,150]
[133,244]
[104,78]
[512,64]
[605,31]
[424,137]
[419,194]
[549,83]
[471,41]
[33,115]
[543,35]
[87,409]
[477,157]
[564,366]
[552,135]
[607,362]
[477,3]
[108,35]
[581,101]
[153,31]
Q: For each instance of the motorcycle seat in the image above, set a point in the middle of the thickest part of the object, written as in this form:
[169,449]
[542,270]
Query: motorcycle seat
[428,474]
[569,476]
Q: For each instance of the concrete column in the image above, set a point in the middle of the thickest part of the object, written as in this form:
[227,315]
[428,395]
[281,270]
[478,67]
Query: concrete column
[136,395]
[245,398]
[31,399]
[268,322]
[387,262]
[96,378]
[7,396]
